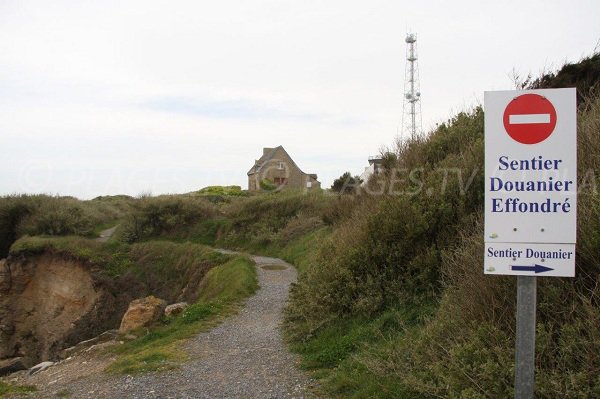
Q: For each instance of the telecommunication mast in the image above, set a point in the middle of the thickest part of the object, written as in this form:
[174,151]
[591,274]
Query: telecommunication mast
[411,115]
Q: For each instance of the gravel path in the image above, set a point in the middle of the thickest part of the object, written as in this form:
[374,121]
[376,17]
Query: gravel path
[244,357]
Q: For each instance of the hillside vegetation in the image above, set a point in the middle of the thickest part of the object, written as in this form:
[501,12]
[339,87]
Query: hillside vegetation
[42,228]
[396,304]
[391,300]
[56,216]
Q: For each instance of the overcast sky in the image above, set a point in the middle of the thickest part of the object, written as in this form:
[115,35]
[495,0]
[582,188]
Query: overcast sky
[124,97]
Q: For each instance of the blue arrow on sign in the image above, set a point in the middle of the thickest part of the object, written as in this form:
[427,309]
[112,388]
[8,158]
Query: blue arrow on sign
[535,268]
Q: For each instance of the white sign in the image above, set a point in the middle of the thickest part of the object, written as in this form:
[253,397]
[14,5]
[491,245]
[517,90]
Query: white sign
[530,182]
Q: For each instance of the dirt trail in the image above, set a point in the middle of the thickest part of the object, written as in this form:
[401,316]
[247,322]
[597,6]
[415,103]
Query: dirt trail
[244,357]
[106,234]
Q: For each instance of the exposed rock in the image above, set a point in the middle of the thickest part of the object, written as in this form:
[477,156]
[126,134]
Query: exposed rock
[44,300]
[8,366]
[49,302]
[40,367]
[142,312]
[176,308]
[104,337]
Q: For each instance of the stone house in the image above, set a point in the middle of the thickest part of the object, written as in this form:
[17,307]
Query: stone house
[277,167]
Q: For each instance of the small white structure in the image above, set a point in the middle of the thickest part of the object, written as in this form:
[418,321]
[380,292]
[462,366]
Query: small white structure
[374,167]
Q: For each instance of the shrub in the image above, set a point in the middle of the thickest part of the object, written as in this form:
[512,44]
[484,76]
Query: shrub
[166,215]
[55,216]
[346,184]
[467,348]
[389,249]
[12,212]
[277,217]
[235,191]
[267,185]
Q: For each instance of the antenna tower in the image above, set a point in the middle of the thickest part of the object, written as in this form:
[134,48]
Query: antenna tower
[411,115]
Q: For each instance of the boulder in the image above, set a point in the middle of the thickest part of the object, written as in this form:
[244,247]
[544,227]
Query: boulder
[175,309]
[142,312]
[40,367]
[12,365]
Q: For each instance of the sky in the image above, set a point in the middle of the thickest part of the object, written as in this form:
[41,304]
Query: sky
[130,97]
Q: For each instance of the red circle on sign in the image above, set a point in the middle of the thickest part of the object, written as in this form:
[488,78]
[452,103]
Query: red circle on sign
[529,118]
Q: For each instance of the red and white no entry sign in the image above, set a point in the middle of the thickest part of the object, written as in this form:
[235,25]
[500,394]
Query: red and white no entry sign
[529,118]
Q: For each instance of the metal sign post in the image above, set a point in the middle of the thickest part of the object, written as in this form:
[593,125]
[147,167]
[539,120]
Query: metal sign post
[525,343]
[530,201]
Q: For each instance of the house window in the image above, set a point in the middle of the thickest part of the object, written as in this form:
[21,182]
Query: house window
[280,165]
[308,184]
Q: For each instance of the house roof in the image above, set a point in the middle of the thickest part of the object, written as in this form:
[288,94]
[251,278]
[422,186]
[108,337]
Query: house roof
[266,157]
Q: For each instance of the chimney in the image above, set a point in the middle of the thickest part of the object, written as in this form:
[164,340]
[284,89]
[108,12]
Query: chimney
[266,151]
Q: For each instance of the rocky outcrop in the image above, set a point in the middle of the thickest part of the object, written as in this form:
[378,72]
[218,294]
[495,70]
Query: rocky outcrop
[49,302]
[175,309]
[47,299]
[142,312]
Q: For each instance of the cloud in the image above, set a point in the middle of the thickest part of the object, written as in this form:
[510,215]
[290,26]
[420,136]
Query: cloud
[143,93]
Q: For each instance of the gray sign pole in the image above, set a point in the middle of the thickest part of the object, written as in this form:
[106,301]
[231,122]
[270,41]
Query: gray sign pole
[525,344]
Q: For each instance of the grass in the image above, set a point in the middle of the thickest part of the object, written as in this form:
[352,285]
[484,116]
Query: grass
[112,259]
[221,291]
[166,267]
[103,226]
[74,246]
[206,231]
[301,250]
[7,389]
[338,355]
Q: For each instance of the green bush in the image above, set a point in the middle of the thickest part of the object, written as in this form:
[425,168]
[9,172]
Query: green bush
[271,219]
[346,184]
[235,191]
[267,185]
[389,249]
[168,215]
